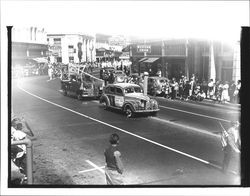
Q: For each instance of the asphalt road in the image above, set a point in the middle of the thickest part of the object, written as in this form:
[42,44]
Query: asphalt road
[181,146]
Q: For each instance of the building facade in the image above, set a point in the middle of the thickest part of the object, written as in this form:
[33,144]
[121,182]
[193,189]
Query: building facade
[177,57]
[29,46]
[109,48]
[75,48]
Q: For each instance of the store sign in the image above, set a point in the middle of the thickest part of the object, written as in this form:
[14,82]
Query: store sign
[124,55]
[144,48]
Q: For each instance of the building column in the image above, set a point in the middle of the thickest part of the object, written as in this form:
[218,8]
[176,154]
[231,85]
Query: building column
[211,71]
[186,61]
[163,69]
[84,50]
[236,63]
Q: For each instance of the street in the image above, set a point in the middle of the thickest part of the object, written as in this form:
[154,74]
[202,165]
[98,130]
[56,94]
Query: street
[180,146]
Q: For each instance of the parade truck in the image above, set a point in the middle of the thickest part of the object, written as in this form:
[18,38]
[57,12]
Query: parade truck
[81,84]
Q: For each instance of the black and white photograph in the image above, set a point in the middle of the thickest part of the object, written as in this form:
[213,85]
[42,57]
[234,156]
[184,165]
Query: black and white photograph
[122,96]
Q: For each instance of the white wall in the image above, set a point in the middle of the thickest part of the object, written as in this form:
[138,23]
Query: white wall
[23,34]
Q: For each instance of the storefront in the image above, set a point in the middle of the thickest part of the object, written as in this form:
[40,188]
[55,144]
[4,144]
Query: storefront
[104,55]
[167,57]
[28,53]
[175,58]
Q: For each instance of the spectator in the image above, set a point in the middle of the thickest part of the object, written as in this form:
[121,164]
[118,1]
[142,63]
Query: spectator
[191,89]
[230,144]
[232,87]
[167,90]
[186,90]
[224,95]
[211,89]
[153,88]
[218,91]
[201,95]
[237,91]
[181,87]
[174,89]
[114,166]
[195,93]
[204,87]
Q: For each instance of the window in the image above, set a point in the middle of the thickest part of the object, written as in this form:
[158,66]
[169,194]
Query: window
[119,91]
[57,39]
[112,89]
[71,46]
[107,90]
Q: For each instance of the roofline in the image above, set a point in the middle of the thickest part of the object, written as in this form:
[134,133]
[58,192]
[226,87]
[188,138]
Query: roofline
[64,34]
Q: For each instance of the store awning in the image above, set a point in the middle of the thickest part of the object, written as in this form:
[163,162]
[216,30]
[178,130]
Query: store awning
[41,60]
[151,60]
[143,59]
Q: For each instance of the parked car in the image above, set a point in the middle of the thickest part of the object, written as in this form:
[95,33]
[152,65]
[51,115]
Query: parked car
[157,84]
[128,98]
[82,85]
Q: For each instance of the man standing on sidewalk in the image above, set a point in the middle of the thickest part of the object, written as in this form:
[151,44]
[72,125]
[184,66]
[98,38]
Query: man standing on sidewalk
[230,140]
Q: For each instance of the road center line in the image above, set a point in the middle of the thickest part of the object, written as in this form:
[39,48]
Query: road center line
[119,129]
[169,108]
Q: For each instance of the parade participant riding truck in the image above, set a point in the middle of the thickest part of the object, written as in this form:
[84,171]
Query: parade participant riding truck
[81,84]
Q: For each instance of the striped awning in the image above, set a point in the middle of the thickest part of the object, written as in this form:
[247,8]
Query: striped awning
[143,59]
[41,60]
[151,60]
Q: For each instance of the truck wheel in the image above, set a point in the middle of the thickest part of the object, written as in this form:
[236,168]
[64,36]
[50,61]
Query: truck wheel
[129,112]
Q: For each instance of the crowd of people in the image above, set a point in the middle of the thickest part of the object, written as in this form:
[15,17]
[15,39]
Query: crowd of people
[184,89]
[20,130]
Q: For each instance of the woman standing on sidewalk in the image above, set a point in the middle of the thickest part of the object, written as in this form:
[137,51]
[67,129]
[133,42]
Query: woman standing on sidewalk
[225,96]
[210,89]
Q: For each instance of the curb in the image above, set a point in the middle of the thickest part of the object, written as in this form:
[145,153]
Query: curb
[205,102]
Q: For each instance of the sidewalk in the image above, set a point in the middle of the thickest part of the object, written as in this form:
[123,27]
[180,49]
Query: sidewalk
[207,102]
[228,105]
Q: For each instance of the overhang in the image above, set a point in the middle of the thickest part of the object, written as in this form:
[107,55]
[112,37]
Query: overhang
[150,60]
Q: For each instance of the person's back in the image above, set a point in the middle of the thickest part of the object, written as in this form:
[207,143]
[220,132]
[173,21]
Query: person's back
[114,166]
[110,158]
